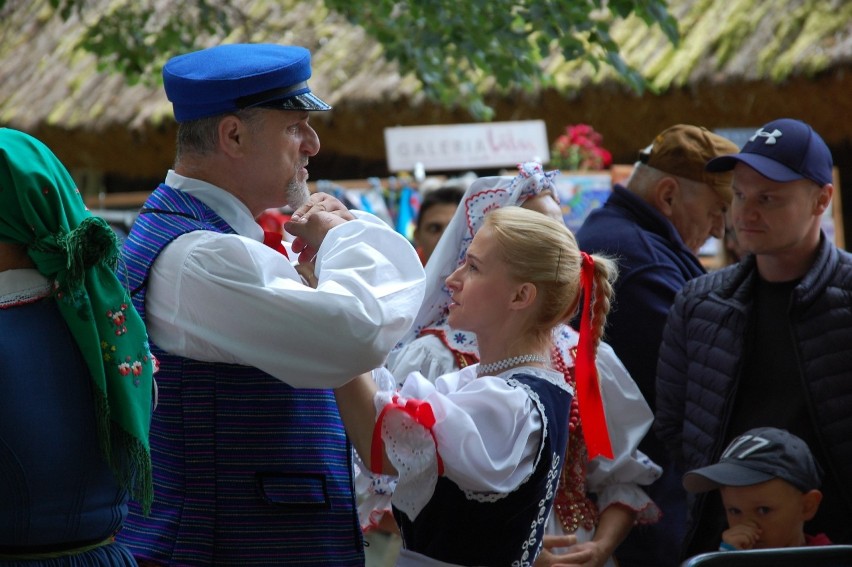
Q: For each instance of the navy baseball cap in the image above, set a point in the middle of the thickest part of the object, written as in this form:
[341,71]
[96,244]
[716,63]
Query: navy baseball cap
[227,78]
[756,456]
[783,150]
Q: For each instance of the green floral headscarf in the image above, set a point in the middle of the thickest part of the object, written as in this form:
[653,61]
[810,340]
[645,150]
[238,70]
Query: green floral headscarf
[41,208]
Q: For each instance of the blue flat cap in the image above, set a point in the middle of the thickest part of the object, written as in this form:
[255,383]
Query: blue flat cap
[227,78]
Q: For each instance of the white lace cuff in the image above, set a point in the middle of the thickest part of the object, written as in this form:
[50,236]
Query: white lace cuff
[410,447]
[632,497]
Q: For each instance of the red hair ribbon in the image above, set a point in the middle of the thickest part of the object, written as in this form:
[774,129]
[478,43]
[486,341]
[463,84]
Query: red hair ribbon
[589,398]
[420,411]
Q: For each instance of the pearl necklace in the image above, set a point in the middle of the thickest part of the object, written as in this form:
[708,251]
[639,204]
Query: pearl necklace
[493,368]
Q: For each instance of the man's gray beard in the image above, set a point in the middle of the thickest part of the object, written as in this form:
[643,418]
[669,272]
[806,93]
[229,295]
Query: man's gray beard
[297,194]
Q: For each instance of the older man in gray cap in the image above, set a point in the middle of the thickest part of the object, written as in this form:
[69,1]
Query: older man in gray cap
[251,461]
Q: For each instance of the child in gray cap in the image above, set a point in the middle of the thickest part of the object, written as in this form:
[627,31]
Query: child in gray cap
[769,484]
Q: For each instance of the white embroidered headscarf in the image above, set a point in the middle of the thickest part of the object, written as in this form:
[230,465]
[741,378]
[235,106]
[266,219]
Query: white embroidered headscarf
[484,195]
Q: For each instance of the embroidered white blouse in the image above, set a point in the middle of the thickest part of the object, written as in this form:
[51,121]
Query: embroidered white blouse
[627,413]
[22,286]
[487,431]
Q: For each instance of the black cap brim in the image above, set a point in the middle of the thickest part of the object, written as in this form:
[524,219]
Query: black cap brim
[722,474]
[305,101]
[766,166]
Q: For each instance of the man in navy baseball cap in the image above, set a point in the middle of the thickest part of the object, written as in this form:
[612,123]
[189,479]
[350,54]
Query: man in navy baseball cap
[766,341]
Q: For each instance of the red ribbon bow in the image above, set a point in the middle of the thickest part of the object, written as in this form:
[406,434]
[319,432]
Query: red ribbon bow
[589,398]
[420,411]
[273,240]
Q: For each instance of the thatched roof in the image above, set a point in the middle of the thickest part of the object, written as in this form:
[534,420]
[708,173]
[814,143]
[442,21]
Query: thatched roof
[744,40]
[739,63]
[46,79]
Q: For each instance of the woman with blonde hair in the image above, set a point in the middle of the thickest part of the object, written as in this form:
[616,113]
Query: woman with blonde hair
[479,451]
[599,497]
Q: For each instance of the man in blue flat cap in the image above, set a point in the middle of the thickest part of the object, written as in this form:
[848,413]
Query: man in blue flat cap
[766,342]
[251,461]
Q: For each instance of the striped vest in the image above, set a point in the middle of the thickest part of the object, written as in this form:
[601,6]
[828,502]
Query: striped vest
[496,530]
[247,470]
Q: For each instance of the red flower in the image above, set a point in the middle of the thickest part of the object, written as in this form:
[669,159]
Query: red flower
[579,148]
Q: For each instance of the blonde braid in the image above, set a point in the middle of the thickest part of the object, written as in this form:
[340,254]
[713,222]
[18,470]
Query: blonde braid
[605,273]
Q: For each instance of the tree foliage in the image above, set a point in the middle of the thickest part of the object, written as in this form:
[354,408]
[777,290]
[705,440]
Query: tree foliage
[454,46]
[458,49]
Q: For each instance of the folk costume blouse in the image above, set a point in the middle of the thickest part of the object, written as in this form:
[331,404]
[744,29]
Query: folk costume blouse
[490,462]
[614,481]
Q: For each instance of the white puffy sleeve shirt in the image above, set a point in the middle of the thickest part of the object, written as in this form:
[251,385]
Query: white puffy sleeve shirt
[629,418]
[487,433]
[427,355]
[229,298]
[613,481]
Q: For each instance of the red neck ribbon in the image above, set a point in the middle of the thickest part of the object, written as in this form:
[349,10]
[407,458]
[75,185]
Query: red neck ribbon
[589,397]
[273,240]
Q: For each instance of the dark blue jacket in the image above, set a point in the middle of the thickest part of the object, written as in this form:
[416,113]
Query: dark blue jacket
[700,361]
[56,490]
[653,265]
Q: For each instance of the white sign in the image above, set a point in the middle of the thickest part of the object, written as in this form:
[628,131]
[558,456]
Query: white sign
[466,146]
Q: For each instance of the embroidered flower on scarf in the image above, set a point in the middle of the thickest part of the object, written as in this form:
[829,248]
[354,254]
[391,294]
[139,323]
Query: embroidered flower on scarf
[118,319]
[129,367]
[108,350]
